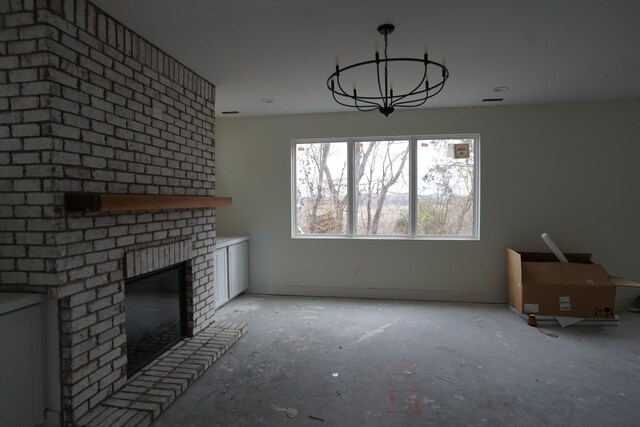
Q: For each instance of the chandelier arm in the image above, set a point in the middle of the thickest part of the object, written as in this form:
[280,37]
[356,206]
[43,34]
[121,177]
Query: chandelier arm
[386,73]
[408,103]
[334,93]
[342,91]
[340,102]
[411,103]
[370,103]
[355,98]
[414,91]
[329,82]
[374,106]
[364,110]
[378,74]
[430,91]
[439,87]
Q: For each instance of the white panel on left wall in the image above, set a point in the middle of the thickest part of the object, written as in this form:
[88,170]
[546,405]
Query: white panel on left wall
[21,373]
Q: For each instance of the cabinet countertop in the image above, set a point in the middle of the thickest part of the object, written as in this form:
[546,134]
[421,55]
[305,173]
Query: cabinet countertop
[224,241]
[11,301]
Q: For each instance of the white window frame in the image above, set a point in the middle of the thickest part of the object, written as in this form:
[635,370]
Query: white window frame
[413,187]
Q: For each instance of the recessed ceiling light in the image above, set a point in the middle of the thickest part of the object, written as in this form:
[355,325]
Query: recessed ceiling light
[501,89]
[267,100]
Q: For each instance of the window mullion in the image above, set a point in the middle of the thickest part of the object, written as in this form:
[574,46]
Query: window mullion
[294,197]
[351,161]
[413,186]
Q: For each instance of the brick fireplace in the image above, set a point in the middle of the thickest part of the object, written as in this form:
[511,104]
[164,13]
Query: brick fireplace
[87,105]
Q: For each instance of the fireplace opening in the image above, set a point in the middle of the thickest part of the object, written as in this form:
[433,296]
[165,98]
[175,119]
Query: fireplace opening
[155,314]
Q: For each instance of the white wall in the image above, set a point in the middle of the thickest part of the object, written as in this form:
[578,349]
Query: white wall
[568,169]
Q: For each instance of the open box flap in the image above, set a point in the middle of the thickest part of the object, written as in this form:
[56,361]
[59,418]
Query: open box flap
[565,274]
[514,279]
[619,281]
[578,258]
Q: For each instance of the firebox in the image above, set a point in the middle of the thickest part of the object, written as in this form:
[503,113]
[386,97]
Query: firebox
[155,314]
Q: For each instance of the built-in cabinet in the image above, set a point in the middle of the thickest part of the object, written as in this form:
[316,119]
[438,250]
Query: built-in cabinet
[23,391]
[231,262]
[29,360]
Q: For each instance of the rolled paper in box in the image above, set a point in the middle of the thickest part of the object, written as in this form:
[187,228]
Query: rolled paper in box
[558,253]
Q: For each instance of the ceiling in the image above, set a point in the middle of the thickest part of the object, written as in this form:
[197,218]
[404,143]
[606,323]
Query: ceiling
[284,50]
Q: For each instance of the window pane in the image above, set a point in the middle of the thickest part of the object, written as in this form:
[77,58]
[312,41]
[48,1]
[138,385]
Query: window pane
[321,188]
[382,187]
[445,187]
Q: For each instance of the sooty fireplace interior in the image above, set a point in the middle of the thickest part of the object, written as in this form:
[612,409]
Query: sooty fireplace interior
[156,314]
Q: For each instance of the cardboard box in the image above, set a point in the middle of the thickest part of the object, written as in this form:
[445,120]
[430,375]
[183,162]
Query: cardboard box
[537,283]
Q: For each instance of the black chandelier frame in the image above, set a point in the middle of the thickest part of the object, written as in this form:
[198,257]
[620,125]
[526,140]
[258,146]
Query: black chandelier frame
[387,102]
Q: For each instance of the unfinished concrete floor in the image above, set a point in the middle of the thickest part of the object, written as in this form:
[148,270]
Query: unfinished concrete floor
[392,363]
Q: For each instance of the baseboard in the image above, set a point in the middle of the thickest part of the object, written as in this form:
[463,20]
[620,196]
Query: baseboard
[377,293]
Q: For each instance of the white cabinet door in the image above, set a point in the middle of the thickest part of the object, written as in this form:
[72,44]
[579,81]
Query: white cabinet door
[21,374]
[238,268]
[221,278]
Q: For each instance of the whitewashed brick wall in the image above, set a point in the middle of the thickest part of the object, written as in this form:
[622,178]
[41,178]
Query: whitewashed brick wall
[86,105]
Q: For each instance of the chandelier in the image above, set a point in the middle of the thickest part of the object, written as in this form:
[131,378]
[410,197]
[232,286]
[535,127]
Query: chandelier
[384,99]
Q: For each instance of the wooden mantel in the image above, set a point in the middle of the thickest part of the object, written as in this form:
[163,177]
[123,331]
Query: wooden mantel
[87,202]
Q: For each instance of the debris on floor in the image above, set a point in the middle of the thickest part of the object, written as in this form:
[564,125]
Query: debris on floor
[564,321]
[290,412]
[547,333]
[568,321]
[335,374]
[316,418]
[444,379]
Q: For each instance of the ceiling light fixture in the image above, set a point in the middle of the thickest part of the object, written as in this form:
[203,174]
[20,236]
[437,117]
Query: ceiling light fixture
[385,100]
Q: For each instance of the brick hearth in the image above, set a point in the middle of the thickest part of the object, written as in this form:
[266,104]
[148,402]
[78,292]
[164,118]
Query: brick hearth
[152,390]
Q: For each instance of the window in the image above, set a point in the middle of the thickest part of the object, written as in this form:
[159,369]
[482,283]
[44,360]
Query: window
[392,187]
